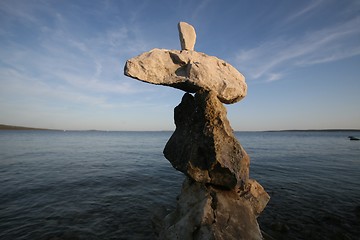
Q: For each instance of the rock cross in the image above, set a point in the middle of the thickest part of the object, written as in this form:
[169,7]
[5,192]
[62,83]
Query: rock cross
[218,199]
[188,70]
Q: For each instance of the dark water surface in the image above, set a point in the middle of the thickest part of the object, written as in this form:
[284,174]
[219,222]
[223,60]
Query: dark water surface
[108,185]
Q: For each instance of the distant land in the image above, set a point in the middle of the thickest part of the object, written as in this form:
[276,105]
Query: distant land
[11,127]
[316,130]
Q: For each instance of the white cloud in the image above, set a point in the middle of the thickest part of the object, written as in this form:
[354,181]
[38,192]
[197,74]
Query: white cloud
[274,77]
[271,59]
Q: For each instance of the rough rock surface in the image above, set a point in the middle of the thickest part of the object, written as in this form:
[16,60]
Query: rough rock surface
[189,71]
[206,212]
[187,36]
[203,145]
[255,194]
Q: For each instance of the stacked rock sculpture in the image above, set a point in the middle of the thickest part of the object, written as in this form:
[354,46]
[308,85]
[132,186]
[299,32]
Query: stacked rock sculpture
[218,199]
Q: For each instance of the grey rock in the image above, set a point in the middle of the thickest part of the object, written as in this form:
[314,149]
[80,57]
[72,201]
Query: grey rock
[203,145]
[205,212]
[255,194]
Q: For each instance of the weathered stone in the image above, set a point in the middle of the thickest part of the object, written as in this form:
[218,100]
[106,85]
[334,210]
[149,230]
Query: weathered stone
[203,145]
[189,71]
[255,194]
[205,212]
[187,36]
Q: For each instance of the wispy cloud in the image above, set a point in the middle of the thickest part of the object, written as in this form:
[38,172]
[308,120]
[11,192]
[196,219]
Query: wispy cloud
[270,60]
[37,91]
[18,83]
[18,10]
[64,64]
[304,11]
[201,5]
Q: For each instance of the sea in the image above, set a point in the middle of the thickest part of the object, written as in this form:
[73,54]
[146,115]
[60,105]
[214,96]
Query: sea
[62,185]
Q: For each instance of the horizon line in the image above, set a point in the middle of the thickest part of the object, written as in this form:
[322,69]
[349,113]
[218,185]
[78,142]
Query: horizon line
[14,127]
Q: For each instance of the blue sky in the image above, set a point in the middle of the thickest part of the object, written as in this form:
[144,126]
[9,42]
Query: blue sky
[61,62]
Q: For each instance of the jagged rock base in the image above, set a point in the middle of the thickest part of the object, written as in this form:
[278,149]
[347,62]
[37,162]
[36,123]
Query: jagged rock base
[205,212]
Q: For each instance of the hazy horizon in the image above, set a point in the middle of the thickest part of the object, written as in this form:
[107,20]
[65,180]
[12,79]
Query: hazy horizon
[171,130]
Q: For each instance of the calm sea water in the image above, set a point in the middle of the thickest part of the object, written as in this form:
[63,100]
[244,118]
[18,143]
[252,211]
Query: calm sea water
[108,185]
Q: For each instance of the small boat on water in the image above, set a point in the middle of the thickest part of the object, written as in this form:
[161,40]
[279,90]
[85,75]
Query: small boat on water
[353,138]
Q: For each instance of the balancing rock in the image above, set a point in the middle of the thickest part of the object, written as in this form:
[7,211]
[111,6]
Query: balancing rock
[189,71]
[187,36]
[203,145]
[218,199]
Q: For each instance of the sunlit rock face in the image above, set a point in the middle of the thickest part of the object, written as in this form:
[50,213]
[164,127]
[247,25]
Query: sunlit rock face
[189,71]
[187,36]
[218,199]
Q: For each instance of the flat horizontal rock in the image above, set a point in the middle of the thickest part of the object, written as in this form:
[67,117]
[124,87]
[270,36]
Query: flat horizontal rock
[189,71]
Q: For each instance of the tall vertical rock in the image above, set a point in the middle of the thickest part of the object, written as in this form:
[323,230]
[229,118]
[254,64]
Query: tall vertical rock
[203,145]
[218,199]
[187,36]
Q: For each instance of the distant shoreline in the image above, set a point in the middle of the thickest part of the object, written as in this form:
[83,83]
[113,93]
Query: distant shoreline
[315,130]
[11,127]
